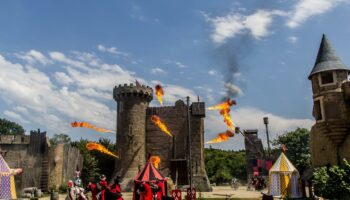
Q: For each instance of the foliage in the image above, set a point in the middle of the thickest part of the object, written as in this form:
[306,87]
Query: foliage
[105,161]
[90,167]
[333,182]
[10,128]
[60,138]
[222,165]
[297,143]
[63,189]
[96,163]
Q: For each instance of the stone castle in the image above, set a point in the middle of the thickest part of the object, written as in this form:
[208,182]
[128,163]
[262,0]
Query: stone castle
[138,137]
[329,140]
[44,166]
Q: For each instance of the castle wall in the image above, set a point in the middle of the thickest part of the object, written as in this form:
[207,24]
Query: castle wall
[160,144]
[24,152]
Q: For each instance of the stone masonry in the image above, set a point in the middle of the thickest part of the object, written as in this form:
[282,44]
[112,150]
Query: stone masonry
[134,117]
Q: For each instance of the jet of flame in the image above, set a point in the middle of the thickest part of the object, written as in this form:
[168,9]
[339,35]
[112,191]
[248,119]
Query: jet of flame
[95,146]
[156,120]
[225,112]
[159,93]
[87,125]
[155,160]
[222,137]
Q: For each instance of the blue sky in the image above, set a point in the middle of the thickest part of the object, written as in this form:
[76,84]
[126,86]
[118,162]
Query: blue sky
[60,60]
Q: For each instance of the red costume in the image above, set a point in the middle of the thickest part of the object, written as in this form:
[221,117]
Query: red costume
[147,194]
[161,190]
[103,184]
[94,190]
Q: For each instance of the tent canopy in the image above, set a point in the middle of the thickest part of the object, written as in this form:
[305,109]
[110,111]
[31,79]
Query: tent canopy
[149,173]
[7,181]
[282,164]
[284,179]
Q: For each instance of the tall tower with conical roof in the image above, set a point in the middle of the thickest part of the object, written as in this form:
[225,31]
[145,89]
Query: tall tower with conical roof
[329,139]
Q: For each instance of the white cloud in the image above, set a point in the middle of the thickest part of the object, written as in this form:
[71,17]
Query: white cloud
[305,9]
[250,118]
[58,56]
[176,92]
[212,72]
[293,39]
[234,24]
[112,50]
[158,71]
[180,65]
[33,57]
[63,78]
[15,116]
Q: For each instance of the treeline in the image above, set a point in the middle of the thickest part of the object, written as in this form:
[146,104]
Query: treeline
[224,165]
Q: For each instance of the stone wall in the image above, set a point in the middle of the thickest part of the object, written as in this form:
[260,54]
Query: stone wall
[24,152]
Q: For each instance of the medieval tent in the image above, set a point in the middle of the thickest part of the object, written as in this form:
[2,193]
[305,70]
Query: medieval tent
[7,181]
[284,179]
[148,174]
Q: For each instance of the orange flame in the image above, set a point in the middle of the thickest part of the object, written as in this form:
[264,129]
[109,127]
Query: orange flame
[159,93]
[225,112]
[87,125]
[95,146]
[155,160]
[161,125]
[222,137]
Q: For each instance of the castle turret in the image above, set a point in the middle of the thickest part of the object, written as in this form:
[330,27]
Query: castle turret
[131,130]
[331,109]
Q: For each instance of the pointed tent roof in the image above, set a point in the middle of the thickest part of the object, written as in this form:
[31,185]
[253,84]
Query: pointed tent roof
[282,164]
[149,173]
[327,58]
[4,168]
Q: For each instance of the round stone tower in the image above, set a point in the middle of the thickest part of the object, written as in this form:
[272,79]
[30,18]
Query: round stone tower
[331,110]
[132,102]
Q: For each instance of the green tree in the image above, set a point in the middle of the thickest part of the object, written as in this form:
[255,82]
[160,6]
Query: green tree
[333,182]
[298,151]
[10,128]
[223,165]
[60,138]
[105,162]
[90,167]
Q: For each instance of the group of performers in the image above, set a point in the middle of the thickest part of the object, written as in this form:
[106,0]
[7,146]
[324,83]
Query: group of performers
[99,191]
[151,190]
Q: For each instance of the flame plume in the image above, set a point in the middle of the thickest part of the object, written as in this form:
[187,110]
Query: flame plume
[222,137]
[159,93]
[225,112]
[155,160]
[95,146]
[87,125]
[161,125]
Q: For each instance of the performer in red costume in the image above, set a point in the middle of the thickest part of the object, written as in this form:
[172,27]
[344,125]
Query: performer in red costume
[146,193]
[93,189]
[161,191]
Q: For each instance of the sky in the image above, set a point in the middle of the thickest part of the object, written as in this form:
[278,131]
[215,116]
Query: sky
[59,60]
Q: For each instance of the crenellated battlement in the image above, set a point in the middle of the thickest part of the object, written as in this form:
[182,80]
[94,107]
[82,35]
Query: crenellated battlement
[128,90]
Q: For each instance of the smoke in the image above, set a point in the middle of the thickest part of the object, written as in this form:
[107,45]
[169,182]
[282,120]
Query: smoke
[231,56]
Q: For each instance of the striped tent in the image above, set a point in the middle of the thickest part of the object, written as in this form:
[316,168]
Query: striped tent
[149,173]
[7,181]
[284,179]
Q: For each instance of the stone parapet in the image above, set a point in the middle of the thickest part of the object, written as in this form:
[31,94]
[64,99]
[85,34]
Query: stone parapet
[126,90]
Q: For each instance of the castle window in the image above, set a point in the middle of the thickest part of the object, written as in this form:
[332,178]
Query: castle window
[317,110]
[327,78]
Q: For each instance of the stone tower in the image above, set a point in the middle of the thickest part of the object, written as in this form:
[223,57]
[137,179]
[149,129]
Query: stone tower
[131,130]
[329,139]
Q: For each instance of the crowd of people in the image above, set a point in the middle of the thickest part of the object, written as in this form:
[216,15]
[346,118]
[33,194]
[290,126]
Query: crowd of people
[257,183]
[100,190]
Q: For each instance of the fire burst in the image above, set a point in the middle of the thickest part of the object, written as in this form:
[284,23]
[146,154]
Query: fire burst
[159,93]
[225,112]
[222,137]
[87,125]
[155,160]
[161,125]
[95,146]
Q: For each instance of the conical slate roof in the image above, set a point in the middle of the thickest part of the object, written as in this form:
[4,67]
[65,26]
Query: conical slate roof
[327,58]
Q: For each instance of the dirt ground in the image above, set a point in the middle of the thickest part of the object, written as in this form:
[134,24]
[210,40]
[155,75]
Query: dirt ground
[219,192]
